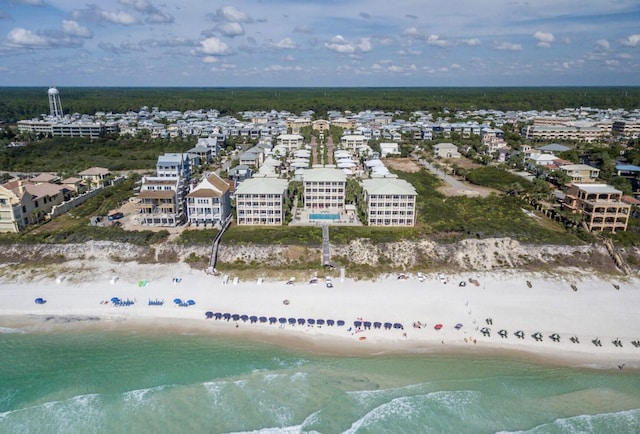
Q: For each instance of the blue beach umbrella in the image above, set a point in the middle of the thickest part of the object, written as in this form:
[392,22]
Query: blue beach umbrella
[340,323]
[177,301]
[191,302]
[320,321]
[208,314]
[330,322]
[311,321]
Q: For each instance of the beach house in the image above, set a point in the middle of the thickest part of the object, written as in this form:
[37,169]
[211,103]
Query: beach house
[209,203]
[95,176]
[324,189]
[600,205]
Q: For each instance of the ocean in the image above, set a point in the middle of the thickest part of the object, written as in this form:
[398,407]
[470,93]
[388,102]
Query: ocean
[135,382]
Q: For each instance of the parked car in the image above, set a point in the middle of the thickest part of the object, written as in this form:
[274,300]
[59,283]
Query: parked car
[115,216]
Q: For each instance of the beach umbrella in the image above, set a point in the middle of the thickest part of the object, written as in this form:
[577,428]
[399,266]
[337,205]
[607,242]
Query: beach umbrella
[263,319]
[319,321]
[311,321]
[458,326]
[208,314]
[191,302]
[340,323]
[217,315]
[235,317]
[253,319]
[330,322]
[301,321]
[177,301]
[273,320]
[292,321]
[226,316]
[114,299]
[388,326]
[438,326]
[282,320]
[40,300]
[377,325]
[398,326]
[244,318]
[357,323]
[367,324]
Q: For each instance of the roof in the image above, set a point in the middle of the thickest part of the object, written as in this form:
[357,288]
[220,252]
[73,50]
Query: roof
[262,186]
[324,174]
[445,146]
[45,189]
[378,186]
[93,171]
[630,200]
[577,167]
[627,168]
[212,186]
[157,194]
[554,147]
[44,177]
[597,188]
[71,180]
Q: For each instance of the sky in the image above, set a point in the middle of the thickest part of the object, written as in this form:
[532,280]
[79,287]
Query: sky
[319,43]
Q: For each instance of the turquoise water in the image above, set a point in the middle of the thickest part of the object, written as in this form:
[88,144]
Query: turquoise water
[324,216]
[116,382]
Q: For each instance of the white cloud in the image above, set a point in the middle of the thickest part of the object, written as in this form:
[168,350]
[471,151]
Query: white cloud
[507,46]
[631,41]
[436,41]
[209,59]
[230,29]
[303,29]
[472,42]
[26,38]
[340,45]
[72,28]
[120,17]
[544,39]
[159,18]
[231,14]
[603,44]
[280,68]
[213,46]
[286,43]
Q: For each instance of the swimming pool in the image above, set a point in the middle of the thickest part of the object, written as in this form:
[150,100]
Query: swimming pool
[324,216]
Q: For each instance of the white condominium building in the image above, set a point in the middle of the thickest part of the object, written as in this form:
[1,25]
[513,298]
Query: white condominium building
[390,202]
[353,141]
[260,201]
[324,189]
[290,141]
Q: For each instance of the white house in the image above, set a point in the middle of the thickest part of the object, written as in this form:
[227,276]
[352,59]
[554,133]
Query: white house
[446,150]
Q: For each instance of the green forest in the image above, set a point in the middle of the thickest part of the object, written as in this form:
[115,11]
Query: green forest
[17,103]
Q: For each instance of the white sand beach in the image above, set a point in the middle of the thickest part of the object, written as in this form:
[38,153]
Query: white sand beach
[597,309]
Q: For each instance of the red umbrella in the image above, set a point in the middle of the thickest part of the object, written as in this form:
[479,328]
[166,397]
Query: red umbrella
[438,326]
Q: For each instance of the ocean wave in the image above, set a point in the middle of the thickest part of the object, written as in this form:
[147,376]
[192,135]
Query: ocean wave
[621,422]
[140,396]
[416,413]
[9,330]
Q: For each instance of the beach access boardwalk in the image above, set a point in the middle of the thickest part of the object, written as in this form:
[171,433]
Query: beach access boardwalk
[326,252]
[216,244]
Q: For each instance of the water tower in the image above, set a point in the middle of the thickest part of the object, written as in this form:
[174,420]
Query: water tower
[55,106]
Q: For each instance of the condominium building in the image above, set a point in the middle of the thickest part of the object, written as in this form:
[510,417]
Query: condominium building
[324,189]
[209,202]
[352,142]
[601,206]
[627,128]
[290,141]
[557,132]
[390,202]
[260,201]
[68,129]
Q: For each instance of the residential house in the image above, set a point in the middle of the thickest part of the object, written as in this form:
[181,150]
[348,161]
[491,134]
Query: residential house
[446,150]
[260,201]
[580,173]
[252,157]
[174,165]
[240,173]
[601,206]
[290,141]
[95,176]
[23,203]
[161,200]
[389,148]
[352,142]
[390,201]
[209,202]
[324,189]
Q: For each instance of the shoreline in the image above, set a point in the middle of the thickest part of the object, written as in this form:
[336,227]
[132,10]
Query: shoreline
[511,300]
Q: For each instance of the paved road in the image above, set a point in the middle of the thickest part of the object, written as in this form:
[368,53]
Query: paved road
[446,178]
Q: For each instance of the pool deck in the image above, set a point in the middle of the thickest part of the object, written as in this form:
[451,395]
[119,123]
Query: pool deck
[303,218]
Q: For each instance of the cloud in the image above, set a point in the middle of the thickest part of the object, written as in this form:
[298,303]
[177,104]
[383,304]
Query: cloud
[472,42]
[507,46]
[430,39]
[411,16]
[209,59]
[436,41]
[230,30]
[544,39]
[154,15]
[213,46]
[303,29]
[72,28]
[631,41]
[286,43]
[603,44]
[94,13]
[26,38]
[282,68]
[30,2]
[230,14]
[340,45]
